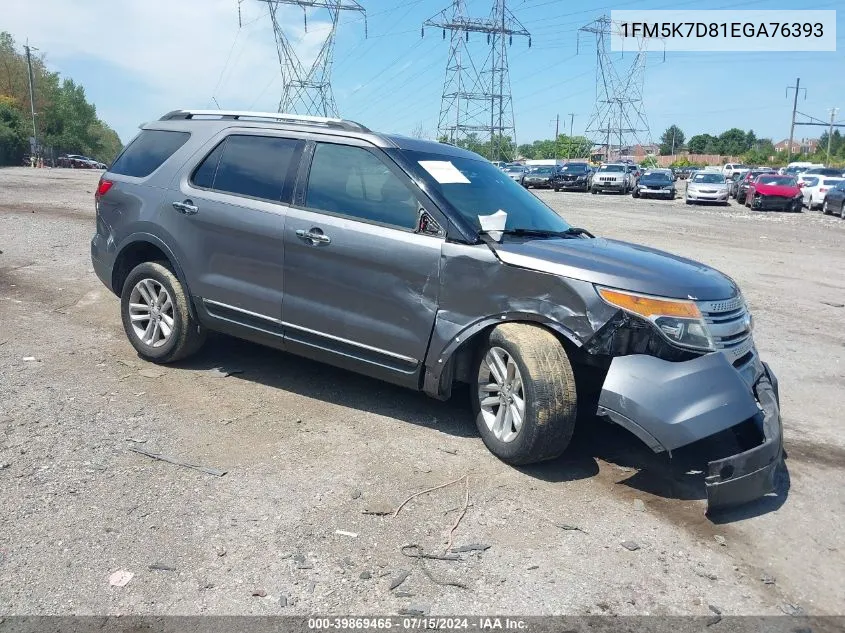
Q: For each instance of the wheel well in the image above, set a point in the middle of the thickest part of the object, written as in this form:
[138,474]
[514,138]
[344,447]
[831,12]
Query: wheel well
[131,256]
[463,357]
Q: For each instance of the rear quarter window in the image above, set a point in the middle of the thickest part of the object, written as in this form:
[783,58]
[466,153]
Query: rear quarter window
[148,152]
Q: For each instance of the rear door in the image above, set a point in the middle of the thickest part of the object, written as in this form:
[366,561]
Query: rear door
[361,281]
[227,213]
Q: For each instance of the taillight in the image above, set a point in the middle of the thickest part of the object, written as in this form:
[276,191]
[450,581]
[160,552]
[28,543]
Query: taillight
[103,188]
[822,189]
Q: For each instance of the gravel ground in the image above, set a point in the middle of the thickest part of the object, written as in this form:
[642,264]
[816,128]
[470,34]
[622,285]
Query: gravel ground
[308,449]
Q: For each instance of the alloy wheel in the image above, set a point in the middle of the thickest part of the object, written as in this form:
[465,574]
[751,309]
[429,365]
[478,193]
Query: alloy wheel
[151,312]
[501,394]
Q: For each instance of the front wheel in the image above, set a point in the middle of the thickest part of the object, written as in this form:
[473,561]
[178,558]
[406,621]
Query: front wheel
[593,190]
[825,208]
[524,398]
[155,314]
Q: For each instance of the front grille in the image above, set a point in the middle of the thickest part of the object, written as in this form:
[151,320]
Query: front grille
[729,323]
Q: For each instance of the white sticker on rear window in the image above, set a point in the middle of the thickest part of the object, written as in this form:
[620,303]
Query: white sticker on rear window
[444,172]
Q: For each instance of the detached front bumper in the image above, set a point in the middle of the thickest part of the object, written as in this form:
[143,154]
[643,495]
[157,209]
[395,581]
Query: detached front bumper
[775,203]
[750,475]
[673,404]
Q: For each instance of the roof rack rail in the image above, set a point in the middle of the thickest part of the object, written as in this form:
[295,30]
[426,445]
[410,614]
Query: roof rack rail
[281,117]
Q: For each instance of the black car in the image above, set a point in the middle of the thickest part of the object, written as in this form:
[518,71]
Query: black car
[734,182]
[834,201]
[824,171]
[539,176]
[655,183]
[572,176]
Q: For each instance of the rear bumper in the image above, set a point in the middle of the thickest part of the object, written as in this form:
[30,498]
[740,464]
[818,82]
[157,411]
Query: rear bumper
[102,260]
[673,404]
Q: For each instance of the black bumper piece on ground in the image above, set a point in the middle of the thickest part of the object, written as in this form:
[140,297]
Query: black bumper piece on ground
[750,475]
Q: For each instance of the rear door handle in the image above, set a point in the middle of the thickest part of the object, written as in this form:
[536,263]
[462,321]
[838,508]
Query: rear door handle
[314,235]
[187,207]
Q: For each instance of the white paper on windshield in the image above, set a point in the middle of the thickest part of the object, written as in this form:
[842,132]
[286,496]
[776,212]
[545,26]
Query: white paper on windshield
[444,172]
[493,224]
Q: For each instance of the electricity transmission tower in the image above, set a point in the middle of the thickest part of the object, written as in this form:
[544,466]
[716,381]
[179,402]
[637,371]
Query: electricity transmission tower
[476,105]
[618,121]
[308,88]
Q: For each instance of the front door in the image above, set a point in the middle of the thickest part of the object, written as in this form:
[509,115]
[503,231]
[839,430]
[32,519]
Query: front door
[361,284]
[227,214]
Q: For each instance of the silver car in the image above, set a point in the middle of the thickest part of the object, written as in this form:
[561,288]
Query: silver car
[422,264]
[515,172]
[706,186]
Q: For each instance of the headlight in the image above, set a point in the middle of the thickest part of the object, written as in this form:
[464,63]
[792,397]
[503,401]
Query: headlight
[679,320]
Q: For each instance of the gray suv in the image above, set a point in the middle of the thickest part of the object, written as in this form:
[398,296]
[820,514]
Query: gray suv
[424,265]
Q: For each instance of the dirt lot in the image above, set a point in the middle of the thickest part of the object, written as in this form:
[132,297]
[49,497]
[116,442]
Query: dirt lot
[308,449]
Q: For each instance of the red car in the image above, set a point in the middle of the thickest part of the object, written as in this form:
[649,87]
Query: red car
[773,192]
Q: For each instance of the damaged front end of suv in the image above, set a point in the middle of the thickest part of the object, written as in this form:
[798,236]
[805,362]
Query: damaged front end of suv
[685,370]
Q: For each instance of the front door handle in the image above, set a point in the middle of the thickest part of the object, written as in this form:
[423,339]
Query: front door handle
[187,207]
[314,235]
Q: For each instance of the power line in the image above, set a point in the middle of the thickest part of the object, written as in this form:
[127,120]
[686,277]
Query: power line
[308,89]
[618,116]
[476,100]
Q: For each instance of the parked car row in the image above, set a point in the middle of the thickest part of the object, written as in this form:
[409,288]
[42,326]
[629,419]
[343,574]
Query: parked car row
[77,161]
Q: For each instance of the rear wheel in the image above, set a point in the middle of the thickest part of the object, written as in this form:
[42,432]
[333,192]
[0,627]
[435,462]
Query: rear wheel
[524,399]
[155,314]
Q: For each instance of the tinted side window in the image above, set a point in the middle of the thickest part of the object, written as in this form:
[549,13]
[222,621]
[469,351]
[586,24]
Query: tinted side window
[204,174]
[148,151]
[255,166]
[352,181]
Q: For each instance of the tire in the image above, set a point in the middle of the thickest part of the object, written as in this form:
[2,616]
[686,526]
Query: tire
[635,194]
[557,190]
[842,211]
[687,200]
[825,208]
[547,389]
[186,336]
[797,207]
[593,190]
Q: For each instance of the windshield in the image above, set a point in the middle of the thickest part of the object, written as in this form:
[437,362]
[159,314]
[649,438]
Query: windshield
[786,181]
[612,168]
[475,187]
[514,170]
[574,168]
[542,170]
[656,176]
[708,178]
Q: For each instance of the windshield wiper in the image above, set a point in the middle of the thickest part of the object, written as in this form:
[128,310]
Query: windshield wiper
[570,232]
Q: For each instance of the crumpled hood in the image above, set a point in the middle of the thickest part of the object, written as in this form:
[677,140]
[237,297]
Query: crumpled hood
[784,191]
[618,265]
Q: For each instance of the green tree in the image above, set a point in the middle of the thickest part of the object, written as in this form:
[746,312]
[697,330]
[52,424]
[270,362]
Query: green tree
[671,140]
[701,143]
[732,142]
[67,121]
[13,138]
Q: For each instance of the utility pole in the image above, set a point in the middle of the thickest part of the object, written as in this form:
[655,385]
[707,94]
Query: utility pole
[557,132]
[31,94]
[796,88]
[674,129]
[569,144]
[833,112]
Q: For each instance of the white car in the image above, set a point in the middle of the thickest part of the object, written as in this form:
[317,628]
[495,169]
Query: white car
[815,189]
[706,186]
[729,169]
